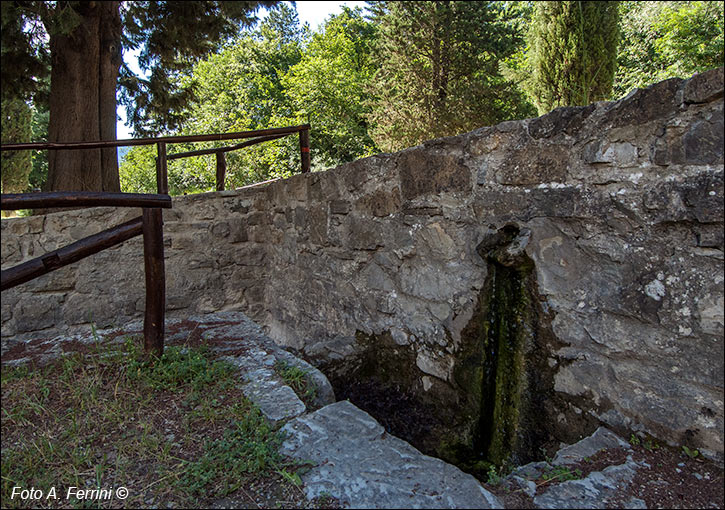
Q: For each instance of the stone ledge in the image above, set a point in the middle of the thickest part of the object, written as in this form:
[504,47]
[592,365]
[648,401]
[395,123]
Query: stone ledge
[364,467]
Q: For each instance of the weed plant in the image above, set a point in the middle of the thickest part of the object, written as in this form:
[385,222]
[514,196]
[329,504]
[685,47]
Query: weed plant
[298,379]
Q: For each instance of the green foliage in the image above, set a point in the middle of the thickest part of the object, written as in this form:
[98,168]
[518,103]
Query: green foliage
[297,379]
[278,75]
[662,40]
[692,453]
[16,128]
[573,55]
[241,89]
[327,89]
[138,171]
[172,36]
[250,446]
[177,425]
[438,70]
[494,477]
[692,36]
[25,56]
[39,128]
[178,368]
[562,474]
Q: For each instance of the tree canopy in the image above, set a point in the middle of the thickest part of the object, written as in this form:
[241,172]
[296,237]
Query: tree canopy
[573,48]
[383,78]
[79,44]
[663,40]
[438,71]
[279,74]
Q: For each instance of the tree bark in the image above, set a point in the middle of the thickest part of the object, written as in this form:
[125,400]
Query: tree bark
[84,75]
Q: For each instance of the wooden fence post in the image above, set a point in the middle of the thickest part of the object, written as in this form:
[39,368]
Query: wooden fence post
[305,150]
[162,179]
[221,170]
[153,256]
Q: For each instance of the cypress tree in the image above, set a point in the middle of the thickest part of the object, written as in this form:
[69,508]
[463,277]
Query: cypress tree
[574,53]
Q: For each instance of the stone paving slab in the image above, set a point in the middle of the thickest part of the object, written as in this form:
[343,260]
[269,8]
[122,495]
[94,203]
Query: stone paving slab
[600,489]
[364,467]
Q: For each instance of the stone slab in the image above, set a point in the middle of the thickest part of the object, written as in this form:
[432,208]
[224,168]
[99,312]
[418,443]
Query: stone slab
[357,462]
[601,440]
[600,489]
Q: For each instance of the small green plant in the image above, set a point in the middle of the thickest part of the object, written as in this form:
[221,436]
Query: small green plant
[293,478]
[494,477]
[178,368]
[297,379]
[634,440]
[562,474]
[690,453]
[650,445]
[249,447]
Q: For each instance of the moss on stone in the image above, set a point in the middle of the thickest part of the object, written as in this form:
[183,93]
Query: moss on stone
[509,318]
[492,367]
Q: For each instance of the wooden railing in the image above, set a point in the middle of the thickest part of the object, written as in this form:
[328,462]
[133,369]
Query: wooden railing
[262,135]
[150,223]
[221,164]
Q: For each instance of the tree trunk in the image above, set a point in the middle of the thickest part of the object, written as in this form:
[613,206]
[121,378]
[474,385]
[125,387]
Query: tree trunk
[85,65]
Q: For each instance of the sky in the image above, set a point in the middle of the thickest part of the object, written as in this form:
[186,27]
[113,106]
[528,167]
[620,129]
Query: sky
[313,13]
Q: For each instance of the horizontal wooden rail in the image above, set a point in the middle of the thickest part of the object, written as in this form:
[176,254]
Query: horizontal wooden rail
[15,201]
[152,141]
[230,148]
[68,254]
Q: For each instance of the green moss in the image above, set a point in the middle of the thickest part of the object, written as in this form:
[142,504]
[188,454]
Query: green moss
[491,371]
[509,317]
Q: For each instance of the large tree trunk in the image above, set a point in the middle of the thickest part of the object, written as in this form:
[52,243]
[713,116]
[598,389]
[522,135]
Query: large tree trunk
[85,65]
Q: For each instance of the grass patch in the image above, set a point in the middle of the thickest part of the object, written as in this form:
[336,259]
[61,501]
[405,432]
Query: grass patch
[172,430]
[298,379]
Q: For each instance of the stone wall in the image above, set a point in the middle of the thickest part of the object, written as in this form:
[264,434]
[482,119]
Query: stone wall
[618,206]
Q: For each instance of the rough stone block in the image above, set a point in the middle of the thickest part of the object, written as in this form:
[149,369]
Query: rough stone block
[363,234]
[364,467]
[439,243]
[704,87]
[703,142]
[644,105]
[534,164]
[602,439]
[615,154]
[339,207]
[425,172]
[379,203]
[317,221]
[437,367]
[567,120]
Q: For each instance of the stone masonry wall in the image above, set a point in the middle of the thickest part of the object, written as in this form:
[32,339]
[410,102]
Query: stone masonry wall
[622,205]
